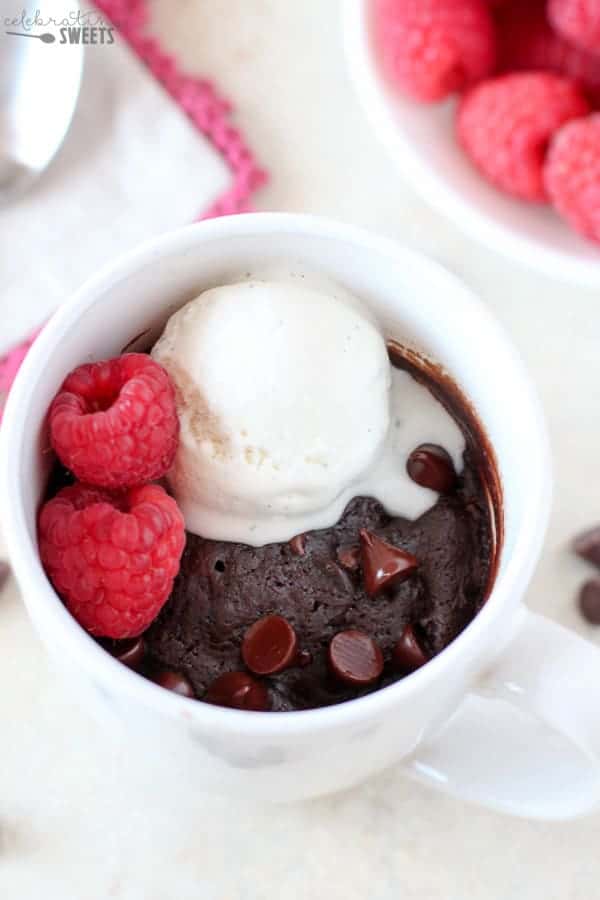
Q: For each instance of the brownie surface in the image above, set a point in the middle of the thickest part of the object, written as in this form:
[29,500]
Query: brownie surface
[223,588]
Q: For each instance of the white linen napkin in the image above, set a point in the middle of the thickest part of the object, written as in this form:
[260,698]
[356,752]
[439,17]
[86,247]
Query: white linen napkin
[132,166]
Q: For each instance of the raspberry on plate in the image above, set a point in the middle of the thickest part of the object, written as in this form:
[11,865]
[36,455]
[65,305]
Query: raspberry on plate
[114,423]
[578,21]
[112,557]
[432,48]
[526,41]
[572,175]
[505,124]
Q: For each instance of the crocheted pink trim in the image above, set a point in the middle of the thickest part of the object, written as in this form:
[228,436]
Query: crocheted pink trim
[197,97]
[209,113]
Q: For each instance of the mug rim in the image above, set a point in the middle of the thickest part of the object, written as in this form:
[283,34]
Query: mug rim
[43,603]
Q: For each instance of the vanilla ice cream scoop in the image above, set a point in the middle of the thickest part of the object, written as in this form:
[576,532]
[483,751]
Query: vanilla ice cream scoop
[284,403]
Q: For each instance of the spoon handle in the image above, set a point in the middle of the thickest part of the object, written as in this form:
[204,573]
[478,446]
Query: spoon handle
[24,34]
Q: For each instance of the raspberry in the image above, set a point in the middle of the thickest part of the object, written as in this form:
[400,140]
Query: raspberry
[114,423]
[112,557]
[572,175]
[431,48]
[526,42]
[505,124]
[577,21]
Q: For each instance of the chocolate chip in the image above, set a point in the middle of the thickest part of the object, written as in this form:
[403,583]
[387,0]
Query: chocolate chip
[4,573]
[382,563]
[589,601]
[587,545]
[298,544]
[130,652]
[176,682]
[431,466]
[349,557]
[408,654]
[238,690]
[304,658]
[338,577]
[269,646]
[355,658]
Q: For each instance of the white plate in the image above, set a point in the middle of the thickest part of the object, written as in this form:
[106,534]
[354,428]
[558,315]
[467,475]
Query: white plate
[421,140]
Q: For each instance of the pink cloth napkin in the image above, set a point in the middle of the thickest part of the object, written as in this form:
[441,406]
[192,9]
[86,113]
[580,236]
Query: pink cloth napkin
[220,172]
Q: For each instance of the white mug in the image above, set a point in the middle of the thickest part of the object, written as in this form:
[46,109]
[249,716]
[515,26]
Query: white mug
[508,715]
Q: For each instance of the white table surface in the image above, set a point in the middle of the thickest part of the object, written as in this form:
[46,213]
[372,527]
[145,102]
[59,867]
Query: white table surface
[74,822]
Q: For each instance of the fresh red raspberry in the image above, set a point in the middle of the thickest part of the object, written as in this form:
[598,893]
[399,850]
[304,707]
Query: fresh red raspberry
[112,557]
[431,48]
[572,175]
[527,42]
[505,124]
[577,21]
[114,423]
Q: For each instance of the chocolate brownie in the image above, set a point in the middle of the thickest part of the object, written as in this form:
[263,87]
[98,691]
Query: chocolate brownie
[223,588]
[316,583]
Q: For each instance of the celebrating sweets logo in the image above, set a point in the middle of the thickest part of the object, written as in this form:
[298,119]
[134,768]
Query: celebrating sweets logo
[76,27]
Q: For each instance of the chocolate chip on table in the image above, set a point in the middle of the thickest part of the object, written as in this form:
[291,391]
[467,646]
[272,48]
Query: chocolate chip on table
[298,544]
[349,557]
[408,653]
[129,652]
[589,601]
[587,545]
[176,682]
[382,563]
[355,658]
[431,466]
[269,646]
[238,690]
[4,573]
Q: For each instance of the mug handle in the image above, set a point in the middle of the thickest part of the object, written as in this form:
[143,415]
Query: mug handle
[526,740]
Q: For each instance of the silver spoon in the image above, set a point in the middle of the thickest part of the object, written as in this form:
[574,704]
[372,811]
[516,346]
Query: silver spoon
[39,86]
[47,38]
